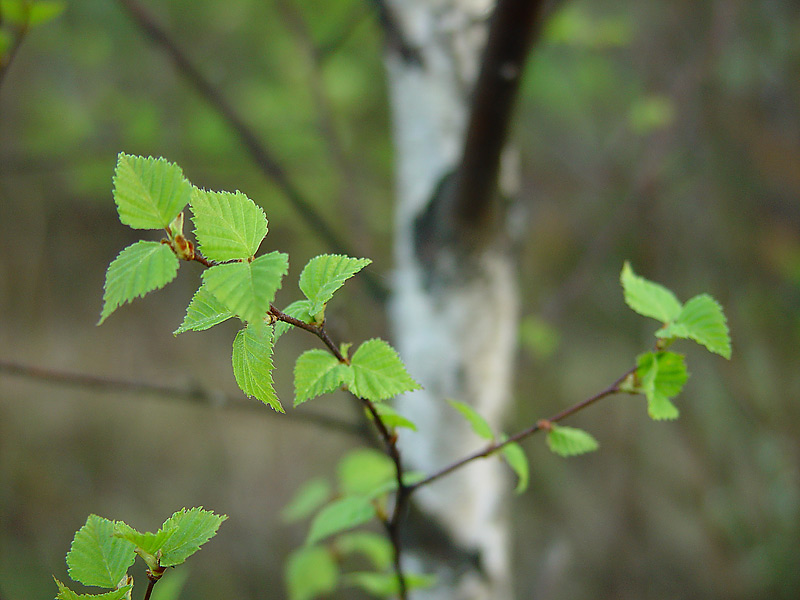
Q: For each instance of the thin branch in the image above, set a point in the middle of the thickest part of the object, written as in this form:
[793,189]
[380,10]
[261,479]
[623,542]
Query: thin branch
[151,583]
[542,424]
[395,36]
[20,32]
[262,155]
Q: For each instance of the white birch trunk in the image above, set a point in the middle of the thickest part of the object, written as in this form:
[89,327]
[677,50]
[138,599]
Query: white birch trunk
[454,317]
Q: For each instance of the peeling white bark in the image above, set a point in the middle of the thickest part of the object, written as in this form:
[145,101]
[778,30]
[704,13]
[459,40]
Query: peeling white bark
[456,333]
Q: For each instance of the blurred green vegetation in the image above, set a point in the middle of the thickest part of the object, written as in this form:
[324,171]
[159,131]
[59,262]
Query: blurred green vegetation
[663,133]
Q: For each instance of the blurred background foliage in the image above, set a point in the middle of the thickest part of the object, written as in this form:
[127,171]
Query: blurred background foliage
[663,133]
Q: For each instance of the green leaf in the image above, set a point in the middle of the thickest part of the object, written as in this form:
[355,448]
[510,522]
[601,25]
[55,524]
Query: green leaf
[325,274]
[376,548]
[228,226]
[660,376]
[149,192]
[252,363]
[171,585]
[248,288]
[98,558]
[140,268]
[647,298]
[311,495]
[363,471]
[311,572]
[516,459]
[203,312]
[298,310]
[569,441]
[391,418]
[64,593]
[378,372]
[190,529]
[703,321]
[476,421]
[386,584]
[147,544]
[341,515]
[317,372]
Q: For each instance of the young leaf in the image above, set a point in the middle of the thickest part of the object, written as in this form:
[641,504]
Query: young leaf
[140,268]
[203,312]
[311,572]
[661,376]
[476,421]
[703,321]
[391,418]
[190,529]
[325,274]
[386,584]
[64,593]
[252,363]
[98,558]
[363,471]
[378,372]
[569,441]
[146,543]
[647,298]
[317,372]
[311,495]
[297,309]
[149,192]
[516,459]
[248,288]
[347,513]
[228,226]
[377,548]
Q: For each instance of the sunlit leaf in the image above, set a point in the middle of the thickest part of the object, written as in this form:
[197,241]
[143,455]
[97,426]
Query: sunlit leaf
[97,557]
[317,372]
[149,192]
[190,529]
[516,459]
[140,268]
[378,372]
[661,376]
[252,363]
[203,312]
[64,593]
[703,321]
[569,441]
[228,226]
[391,418]
[311,572]
[647,298]
[341,515]
[311,495]
[325,274]
[476,421]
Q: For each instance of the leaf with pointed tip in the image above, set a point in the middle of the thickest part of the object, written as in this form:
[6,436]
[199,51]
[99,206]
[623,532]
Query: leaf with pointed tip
[140,268]
[149,542]
[248,288]
[569,441]
[203,312]
[647,298]
[661,376]
[340,515]
[311,495]
[391,418]
[252,363]
[64,593]
[228,226]
[149,192]
[476,421]
[703,321]
[190,529]
[378,372]
[311,572]
[297,309]
[325,274]
[98,558]
[516,459]
[317,372]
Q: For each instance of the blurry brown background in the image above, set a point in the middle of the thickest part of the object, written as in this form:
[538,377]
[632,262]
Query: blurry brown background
[663,133]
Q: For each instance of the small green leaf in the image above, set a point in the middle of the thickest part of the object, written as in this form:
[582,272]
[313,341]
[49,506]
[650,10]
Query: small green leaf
[147,544]
[171,585]
[190,529]
[140,268]
[703,321]
[311,495]
[317,372]
[516,459]
[149,192]
[203,312]
[386,584]
[660,376]
[64,593]
[378,372]
[252,363]
[325,274]
[476,421]
[298,310]
[391,418]
[363,471]
[569,441]
[311,572]
[248,288]
[98,558]
[377,548]
[341,515]
[647,298]
[228,226]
